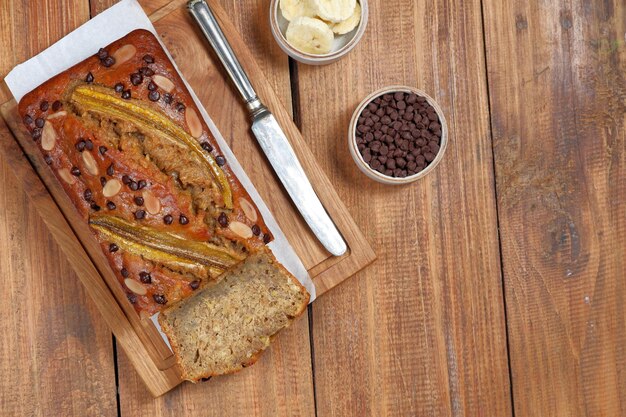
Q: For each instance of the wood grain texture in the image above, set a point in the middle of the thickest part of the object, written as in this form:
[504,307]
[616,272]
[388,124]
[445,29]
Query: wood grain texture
[558,99]
[98,6]
[58,222]
[51,362]
[20,19]
[176,30]
[421,332]
[56,353]
[280,384]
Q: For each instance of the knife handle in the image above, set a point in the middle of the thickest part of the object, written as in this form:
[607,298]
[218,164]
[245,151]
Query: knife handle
[200,10]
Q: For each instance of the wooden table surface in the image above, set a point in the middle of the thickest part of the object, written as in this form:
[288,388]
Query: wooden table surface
[500,287]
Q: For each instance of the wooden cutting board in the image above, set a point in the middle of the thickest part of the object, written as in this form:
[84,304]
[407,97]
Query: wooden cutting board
[145,348]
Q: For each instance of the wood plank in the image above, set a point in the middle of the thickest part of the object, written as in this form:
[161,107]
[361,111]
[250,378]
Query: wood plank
[51,363]
[281,382]
[50,20]
[157,381]
[558,100]
[421,332]
[176,30]
[98,6]
[57,354]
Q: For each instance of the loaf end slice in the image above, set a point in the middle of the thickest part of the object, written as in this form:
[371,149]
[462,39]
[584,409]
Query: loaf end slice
[226,326]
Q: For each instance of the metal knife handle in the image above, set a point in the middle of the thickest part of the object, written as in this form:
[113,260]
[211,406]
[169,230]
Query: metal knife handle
[200,10]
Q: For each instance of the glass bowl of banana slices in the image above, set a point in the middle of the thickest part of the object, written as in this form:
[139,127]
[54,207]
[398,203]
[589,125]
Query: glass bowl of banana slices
[318,32]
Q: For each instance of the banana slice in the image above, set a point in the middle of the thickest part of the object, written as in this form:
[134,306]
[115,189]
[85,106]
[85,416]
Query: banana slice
[310,35]
[292,9]
[335,11]
[349,24]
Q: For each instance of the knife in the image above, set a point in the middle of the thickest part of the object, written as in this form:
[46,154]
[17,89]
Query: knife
[270,136]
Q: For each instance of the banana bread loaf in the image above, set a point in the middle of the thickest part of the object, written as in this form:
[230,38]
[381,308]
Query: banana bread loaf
[123,136]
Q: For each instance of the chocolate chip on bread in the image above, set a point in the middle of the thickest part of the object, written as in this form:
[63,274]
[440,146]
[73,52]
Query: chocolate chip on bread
[124,137]
[225,326]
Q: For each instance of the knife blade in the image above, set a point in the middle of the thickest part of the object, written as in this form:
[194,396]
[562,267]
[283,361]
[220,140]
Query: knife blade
[271,136]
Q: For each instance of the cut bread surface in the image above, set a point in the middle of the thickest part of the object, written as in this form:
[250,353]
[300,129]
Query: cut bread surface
[225,326]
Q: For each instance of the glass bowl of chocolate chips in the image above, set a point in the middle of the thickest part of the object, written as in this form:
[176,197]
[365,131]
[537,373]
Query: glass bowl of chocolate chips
[398,135]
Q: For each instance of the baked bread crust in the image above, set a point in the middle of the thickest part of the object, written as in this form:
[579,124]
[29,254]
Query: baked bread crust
[93,146]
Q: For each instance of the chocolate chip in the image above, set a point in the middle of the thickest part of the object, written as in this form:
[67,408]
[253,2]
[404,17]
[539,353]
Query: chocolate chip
[139,201]
[140,214]
[56,106]
[167,98]
[102,53]
[36,133]
[168,219]
[159,299]
[180,107]
[154,95]
[256,230]
[111,171]
[267,238]
[102,150]
[133,185]
[95,207]
[207,146]
[183,219]
[125,272]
[195,284]
[87,194]
[145,277]
[396,134]
[113,248]
[111,205]
[141,184]
[48,159]
[28,119]
[148,59]
[89,145]
[103,181]
[136,78]
[132,298]
[39,122]
[43,106]
[152,86]
[119,87]
[222,219]
[146,71]
[107,62]
[75,171]
[126,95]
[220,160]
[89,78]
[125,179]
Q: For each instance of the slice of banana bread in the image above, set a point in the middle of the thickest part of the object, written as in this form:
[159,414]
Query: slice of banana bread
[225,326]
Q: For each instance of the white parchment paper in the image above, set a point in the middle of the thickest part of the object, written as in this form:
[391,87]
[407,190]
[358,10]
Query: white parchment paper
[112,24]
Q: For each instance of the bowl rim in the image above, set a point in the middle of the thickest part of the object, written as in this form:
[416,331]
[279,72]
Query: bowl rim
[364,166]
[319,59]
